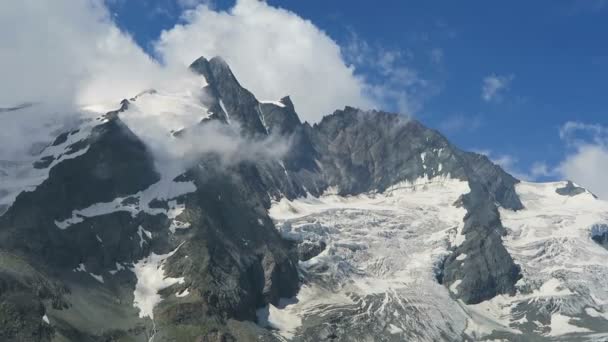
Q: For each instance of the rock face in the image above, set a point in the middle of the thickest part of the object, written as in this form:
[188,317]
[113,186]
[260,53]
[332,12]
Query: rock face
[71,248]
[570,190]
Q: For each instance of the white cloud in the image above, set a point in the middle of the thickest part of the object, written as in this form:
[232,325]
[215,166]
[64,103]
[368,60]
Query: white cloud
[273,53]
[588,162]
[66,54]
[493,86]
[62,54]
[505,161]
[587,167]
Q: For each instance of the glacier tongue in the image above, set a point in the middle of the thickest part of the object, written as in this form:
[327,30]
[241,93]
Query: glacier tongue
[377,275]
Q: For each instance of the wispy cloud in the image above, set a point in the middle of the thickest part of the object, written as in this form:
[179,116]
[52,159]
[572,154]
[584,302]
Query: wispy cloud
[542,170]
[493,87]
[507,162]
[437,55]
[459,123]
[390,78]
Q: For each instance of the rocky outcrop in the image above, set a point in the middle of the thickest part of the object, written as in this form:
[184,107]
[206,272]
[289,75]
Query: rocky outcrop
[570,190]
[489,270]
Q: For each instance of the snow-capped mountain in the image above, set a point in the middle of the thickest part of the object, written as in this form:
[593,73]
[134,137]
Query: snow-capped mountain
[196,212]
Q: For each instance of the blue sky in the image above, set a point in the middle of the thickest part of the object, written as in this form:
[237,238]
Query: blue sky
[522,81]
[550,57]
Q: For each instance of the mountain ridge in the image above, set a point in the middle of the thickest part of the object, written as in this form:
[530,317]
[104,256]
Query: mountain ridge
[95,229]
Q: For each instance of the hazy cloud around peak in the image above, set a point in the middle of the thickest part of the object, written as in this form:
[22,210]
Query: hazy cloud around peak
[587,162]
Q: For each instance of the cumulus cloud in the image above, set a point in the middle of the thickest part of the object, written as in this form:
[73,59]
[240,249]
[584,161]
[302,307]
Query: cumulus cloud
[63,56]
[587,167]
[67,52]
[273,53]
[494,85]
[587,162]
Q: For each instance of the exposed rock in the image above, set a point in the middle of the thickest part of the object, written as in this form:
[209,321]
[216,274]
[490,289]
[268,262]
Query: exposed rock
[570,190]
[599,234]
[308,249]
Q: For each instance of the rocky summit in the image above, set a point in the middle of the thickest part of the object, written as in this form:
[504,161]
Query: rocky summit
[200,213]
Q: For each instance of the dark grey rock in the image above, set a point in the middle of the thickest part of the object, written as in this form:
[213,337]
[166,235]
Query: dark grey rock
[240,104]
[308,249]
[16,108]
[570,190]
[599,234]
[489,269]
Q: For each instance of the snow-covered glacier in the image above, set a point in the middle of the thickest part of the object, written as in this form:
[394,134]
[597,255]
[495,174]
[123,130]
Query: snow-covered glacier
[376,276]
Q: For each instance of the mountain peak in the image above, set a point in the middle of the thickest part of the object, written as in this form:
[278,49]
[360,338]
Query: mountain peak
[375,209]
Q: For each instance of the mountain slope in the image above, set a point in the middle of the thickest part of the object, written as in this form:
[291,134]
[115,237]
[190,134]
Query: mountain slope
[198,213]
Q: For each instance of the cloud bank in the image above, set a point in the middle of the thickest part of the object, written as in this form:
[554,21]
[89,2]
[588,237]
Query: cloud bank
[273,53]
[66,54]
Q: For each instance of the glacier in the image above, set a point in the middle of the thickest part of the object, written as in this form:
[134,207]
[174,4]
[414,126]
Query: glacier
[377,275]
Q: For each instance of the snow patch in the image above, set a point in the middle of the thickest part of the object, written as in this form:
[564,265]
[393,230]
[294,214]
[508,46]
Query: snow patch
[454,286]
[393,329]
[184,293]
[165,189]
[141,232]
[561,325]
[99,278]
[19,175]
[82,268]
[225,111]
[119,268]
[151,278]
[174,211]
[276,103]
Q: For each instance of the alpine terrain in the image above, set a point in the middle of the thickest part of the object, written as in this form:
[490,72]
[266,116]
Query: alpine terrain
[196,212]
